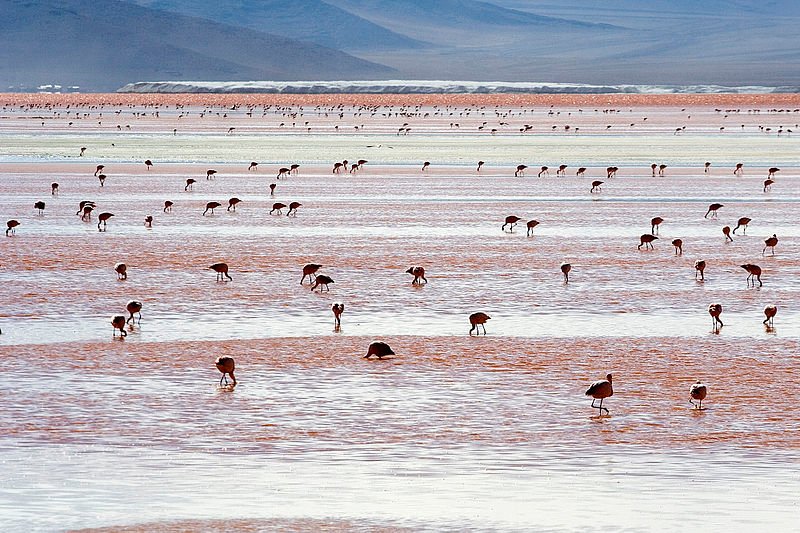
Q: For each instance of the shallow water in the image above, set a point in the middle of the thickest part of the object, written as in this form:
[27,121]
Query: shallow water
[455,431]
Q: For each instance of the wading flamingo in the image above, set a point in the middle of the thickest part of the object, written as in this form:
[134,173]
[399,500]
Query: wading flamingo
[337,310]
[118,323]
[378,349]
[310,270]
[122,271]
[770,242]
[600,390]
[322,281]
[646,240]
[742,222]
[565,269]
[134,307]
[226,365]
[419,275]
[712,210]
[770,311]
[753,274]
[699,268]
[222,271]
[698,392]
[478,319]
[511,221]
[103,219]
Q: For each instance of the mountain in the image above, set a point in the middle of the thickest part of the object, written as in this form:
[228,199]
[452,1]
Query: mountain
[315,21]
[432,20]
[726,42]
[100,45]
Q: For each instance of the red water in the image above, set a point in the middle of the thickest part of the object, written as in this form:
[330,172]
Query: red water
[454,431]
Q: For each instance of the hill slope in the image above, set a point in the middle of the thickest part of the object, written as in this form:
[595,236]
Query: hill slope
[315,21]
[103,44]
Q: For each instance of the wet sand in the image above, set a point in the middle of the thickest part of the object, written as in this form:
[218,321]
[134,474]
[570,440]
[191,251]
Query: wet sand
[454,432]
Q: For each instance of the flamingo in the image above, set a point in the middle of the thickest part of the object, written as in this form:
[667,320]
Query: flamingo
[222,271]
[770,243]
[512,221]
[480,164]
[419,275]
[727,232]
[425,165]
[337,310]
[743,222]
[530,225]
[54,189]
[596,186]
[655,222]
[478,319]
[40,207]
[562,170]
[168,206]
[293,208]
[611,172]
[646,240]
[210,206]
[600,390]
[284,171]
[232,203]
[322,281]
[520,170]
[678,244]
[698,392]
[771,172]
[293,168]
[118,323]
[706,166]
[272,188]
[712,210]
[133,307]
[148,163]
[661,169]
[337,168]
[253,166]
[739,170]
[103,219]
[699,267]
[189,184]
[580,172]
[122,271]
[99,169]
[148,221]
[753,274]
[653,167]
[102,178]
[226,365]
[87,212]
[310,270]
[11,226]
[565,269]
[544,170]
[210,173]
[277,206]
[378,349]
[768,184]
[770,311]
[715,310]
[83,150]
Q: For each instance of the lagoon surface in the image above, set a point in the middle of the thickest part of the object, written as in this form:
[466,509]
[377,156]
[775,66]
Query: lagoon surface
[454,432]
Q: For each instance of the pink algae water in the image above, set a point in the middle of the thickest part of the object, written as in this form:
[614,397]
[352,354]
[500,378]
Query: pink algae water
[454,431]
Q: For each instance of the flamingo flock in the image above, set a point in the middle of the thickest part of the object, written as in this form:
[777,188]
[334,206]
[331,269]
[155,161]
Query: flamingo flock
[598,391]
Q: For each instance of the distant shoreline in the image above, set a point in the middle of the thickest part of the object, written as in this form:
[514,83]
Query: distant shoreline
[724,101]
